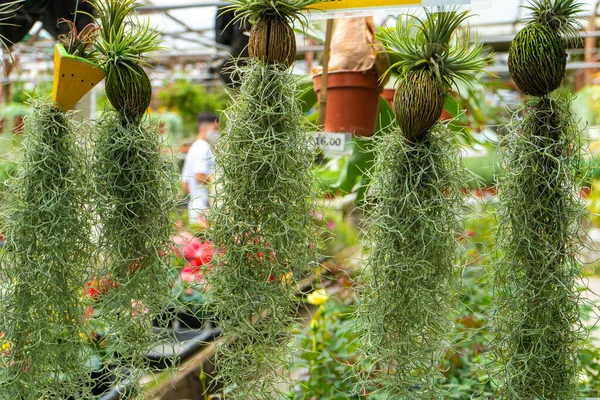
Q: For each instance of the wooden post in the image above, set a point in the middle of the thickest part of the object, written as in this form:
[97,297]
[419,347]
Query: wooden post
[590,46]
[323,93]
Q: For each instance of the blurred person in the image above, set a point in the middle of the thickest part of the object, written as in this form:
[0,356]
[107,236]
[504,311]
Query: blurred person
[199,165]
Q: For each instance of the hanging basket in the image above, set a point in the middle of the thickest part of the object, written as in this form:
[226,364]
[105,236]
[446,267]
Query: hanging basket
[73,78]
[352,101]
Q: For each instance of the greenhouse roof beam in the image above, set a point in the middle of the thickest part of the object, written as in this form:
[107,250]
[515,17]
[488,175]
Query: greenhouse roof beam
[154,8]
[203,40]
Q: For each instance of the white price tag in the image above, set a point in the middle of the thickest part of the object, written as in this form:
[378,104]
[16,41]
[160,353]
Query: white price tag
[333,143]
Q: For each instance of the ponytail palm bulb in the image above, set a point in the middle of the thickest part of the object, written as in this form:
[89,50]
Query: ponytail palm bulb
[433,58]
[272,38]
[537,56]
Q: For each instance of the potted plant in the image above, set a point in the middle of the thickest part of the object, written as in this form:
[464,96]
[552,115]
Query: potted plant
[353,78]
[537,298]
[48,252]
[135,192]
[408,289]
[75,72]
[261,226]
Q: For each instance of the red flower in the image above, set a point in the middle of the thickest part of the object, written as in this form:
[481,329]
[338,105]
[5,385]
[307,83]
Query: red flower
[98,286]
[190,274]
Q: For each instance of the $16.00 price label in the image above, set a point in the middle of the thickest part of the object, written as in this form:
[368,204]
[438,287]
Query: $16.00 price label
[331,142]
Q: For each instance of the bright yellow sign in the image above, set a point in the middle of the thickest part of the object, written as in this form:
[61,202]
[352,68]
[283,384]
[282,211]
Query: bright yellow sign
[334,5]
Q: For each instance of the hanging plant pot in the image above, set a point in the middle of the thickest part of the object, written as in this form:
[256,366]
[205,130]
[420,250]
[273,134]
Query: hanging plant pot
[352,101]
[73,77]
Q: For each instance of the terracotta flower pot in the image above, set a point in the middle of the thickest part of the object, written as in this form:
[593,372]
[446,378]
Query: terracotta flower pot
[388,95]
[352,101]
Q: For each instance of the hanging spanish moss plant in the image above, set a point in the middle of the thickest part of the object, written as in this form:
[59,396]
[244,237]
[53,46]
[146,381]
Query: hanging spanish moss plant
[261,222]
[45,263]
[408,288]
[537,301]
[136,188]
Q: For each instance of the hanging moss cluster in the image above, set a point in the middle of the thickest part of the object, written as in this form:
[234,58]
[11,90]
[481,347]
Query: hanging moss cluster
[408,289]
[261,223]
[262,226]
[135,198]
[135,186]
[45,264]
[537,301]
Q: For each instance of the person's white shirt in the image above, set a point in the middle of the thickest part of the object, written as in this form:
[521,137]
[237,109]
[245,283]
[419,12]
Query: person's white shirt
[199,160]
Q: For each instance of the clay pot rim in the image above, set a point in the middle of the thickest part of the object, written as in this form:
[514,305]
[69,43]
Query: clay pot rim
[360,79]
[347,71]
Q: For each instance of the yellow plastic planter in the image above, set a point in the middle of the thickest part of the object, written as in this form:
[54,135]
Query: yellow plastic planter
[73,77]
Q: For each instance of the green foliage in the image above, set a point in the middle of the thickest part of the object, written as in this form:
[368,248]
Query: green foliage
[408,289]
[327,352]
[594,199]
[537,59]
[45,264]
[262,228]
[433,45]
[537,302]
[20,95]
[482,169]
[79,44]
[188,100]
[253,10]
[123,39]
[124,45]
[336,232]
[558,15]
[136,186]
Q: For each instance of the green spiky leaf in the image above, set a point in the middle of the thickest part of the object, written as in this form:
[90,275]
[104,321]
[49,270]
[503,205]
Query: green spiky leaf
[123,38]
[559,15]
[253,10]
[433,44]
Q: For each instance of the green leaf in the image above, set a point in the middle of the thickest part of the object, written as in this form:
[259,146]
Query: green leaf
[310,355]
